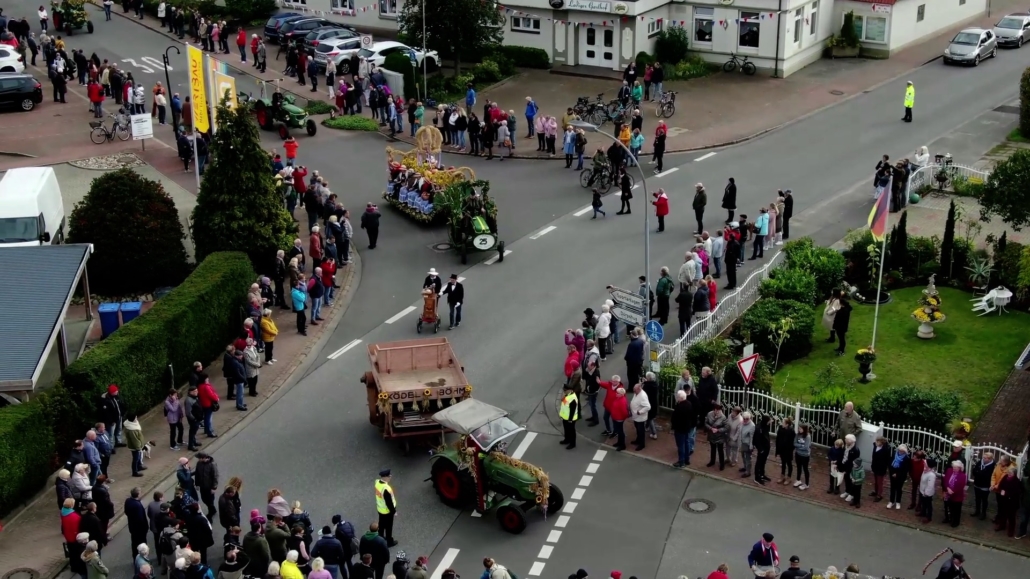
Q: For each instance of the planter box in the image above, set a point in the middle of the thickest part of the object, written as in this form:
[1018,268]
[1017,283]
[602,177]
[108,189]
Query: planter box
[842,52]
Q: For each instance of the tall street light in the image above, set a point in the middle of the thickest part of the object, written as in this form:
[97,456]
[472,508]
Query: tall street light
[168,87]
[592,128]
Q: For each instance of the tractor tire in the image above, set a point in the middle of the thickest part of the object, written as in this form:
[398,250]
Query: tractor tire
[512,519]
[284,131]
[89,26]
[453,488]
[555,499]
[263,116]
[311,128]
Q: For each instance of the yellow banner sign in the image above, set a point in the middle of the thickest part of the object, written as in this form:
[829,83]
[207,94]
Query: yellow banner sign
[225,87]
[197,93]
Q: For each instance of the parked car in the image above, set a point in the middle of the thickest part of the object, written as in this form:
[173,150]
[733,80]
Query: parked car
[10,61]
[275,23]
[299,28]
[20,90]
[970,46]
[325,33]
[337,51]
[380,50]
[1013,30]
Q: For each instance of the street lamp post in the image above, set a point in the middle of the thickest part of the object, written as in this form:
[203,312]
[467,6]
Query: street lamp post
[168,87]
[592,128]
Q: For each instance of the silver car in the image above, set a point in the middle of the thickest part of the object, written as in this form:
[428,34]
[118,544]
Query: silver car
[1013,30]
[970,46]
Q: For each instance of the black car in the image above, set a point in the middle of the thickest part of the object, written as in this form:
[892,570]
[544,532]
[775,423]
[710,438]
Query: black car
[19,90]
[327,33]
[299,28]
[276,22]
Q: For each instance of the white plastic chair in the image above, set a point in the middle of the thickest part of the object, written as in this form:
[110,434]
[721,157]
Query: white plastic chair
[986,303]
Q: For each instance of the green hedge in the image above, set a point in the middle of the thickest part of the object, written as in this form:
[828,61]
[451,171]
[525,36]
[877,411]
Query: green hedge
[761,380]
[789,284]
[524,56]
[193,322]
[916,406]
[827,265]
[351,123]
[26,452]
[756,325]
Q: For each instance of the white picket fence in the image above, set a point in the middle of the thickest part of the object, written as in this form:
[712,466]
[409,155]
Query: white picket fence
[928,176]
[718,320]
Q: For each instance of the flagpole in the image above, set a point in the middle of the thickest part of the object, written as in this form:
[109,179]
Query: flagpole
[883,255]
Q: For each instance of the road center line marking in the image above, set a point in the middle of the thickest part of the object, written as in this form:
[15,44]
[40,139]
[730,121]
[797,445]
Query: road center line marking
[578,493]
[585,480]
[343,350]
[667,171]
[402,313]
[445,563]
[703,157]
[460,279]
[494,259]
[543,232]
[583,211]
[553,536]
[570,507]
[635,186]
[520,451]
[562,521]
[476,514]
[545,552]
[534,571]
[592,468]
[599,455]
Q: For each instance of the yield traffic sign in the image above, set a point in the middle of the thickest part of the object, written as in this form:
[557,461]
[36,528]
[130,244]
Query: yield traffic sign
[747,366]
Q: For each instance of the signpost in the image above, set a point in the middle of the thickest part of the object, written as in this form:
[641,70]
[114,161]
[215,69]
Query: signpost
[746,366]
[627,298]
[142,128]
[628,315]
[655,332]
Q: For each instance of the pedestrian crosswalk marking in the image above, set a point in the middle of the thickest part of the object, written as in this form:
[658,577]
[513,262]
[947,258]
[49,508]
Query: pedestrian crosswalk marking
[554,536]
[592,467]
[599,455]
[578,493]
[536,569]
[562,521]
[570,507]
[585,480]
[545,552]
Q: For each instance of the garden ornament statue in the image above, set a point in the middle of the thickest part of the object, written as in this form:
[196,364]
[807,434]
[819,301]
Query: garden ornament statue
[928,312]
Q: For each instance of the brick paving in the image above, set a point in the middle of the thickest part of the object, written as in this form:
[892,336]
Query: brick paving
[31,537]
[1005,422]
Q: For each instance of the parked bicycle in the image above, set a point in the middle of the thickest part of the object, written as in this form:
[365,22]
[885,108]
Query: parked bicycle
[584,107]
[120,126]
[666,104]
[602,182]
[743,64]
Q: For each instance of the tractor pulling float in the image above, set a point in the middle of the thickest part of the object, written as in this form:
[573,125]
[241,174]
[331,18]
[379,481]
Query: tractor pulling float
[279,112]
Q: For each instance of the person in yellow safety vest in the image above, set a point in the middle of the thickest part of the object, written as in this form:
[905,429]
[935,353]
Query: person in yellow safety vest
[910,101]
[569,414]
[386,505]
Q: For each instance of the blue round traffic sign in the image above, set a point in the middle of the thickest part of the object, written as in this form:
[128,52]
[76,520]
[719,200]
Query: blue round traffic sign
[654,331]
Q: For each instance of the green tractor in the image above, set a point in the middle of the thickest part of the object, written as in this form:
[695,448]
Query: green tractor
[476,471]
[279,113]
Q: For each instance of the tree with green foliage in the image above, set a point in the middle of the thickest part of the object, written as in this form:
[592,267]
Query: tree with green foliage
[458,29]
[401,64]
[1007,191]
[671,46]
[848,33]
[898,245]
[1024,104]
[239,207]
[948,243]
[136,234]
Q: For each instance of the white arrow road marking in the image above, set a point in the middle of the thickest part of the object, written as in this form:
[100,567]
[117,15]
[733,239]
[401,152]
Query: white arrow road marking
[703,157]
[476,514]
[142,67]
[402,313]
[343,350]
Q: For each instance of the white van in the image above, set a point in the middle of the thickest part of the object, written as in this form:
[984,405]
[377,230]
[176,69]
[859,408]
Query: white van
[31,208]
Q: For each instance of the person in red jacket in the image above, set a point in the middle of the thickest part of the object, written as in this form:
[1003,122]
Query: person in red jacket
[254,43]
[620,414]
[329,280]
[661,207]
[609,399]
[208,401]
[69,520]
[96,98]
[241,44]
[291,145]
[721,573]
[572,356]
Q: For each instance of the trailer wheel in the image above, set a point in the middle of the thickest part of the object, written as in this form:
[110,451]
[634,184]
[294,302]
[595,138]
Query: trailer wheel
[512,519]
[418,326]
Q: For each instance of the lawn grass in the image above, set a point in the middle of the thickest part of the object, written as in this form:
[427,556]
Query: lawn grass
[971,355]
[1017,137]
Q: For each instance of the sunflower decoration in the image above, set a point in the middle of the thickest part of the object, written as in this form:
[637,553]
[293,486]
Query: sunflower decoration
[383,403]
[468,391]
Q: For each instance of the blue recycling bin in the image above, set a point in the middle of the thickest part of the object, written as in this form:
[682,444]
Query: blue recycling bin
[109,320]
[130,311]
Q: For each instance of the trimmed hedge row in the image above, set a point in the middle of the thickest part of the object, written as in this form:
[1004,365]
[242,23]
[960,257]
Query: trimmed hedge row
[193,322]
[523,56]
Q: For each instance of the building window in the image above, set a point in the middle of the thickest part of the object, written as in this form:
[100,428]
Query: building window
[920,12]
[654,27]
[813,18]
[343,4]
[871,28]
[798,16]
[703,19]
[749,28]
[525,24]
[388,8]
[961,2]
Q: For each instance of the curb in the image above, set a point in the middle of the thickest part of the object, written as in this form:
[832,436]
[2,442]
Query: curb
[278,389]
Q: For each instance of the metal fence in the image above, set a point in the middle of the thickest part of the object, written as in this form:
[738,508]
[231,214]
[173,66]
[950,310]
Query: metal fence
[939,447]
[725,313]
[944,176]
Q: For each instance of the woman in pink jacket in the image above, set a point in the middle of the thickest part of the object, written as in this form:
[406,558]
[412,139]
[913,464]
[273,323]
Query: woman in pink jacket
[539,125]
[954,486]
[551,131]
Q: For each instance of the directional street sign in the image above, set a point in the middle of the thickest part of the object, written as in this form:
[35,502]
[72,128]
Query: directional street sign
[654,331]
[747,366]
[628,298]
[628,315]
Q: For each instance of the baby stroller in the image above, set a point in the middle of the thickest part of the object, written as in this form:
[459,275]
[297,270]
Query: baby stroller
[429,315]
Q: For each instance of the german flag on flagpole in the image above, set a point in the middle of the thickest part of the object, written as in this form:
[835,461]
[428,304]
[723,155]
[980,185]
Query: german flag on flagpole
[878,217]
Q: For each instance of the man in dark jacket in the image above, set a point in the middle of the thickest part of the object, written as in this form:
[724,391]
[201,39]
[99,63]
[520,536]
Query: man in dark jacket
[116,79]
[105,506]
[91,523]
[136,514]
[788,212]
[331,550]
[700,304]
[370,223]
[112,411]
[707,391]
[634,359]
[206,477]
[198,529]
[256,548]
[375,545]
[684,428]
[841,322]
[345,534]
[729,199]
[229,506]
[276,534]
[237,374]
[455,293]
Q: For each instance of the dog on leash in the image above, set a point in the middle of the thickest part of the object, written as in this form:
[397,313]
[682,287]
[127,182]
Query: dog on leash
[147,446]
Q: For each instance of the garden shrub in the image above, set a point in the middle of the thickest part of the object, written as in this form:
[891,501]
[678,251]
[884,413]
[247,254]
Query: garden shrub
[1007,268]
[351,123]
[193,322]
[1024,103]
[317,107]
[713,353]
[668,376]
[927,269]
[789,284]
[827,265]
[856,256]
[693,66]
[643,59]
[401,64]
[523,56]
[916,406]
[756,325]
[26,452]
[761,380]
[487,72]
[921,250]
[671,46]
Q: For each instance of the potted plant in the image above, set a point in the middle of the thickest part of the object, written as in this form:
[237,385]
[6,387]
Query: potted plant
[928,312]
[844,45]
[865,358]
[980,272]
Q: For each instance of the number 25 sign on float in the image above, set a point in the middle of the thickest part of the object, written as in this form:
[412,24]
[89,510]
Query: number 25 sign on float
[197,92]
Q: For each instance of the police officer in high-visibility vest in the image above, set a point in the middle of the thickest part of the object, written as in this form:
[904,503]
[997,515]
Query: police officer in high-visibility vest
[386,505]
[569,413]
[910,101]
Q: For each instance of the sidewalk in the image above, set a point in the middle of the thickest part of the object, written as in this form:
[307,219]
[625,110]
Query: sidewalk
[31,537]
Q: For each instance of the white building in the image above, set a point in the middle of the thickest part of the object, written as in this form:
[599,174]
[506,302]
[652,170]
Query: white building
[777,35]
